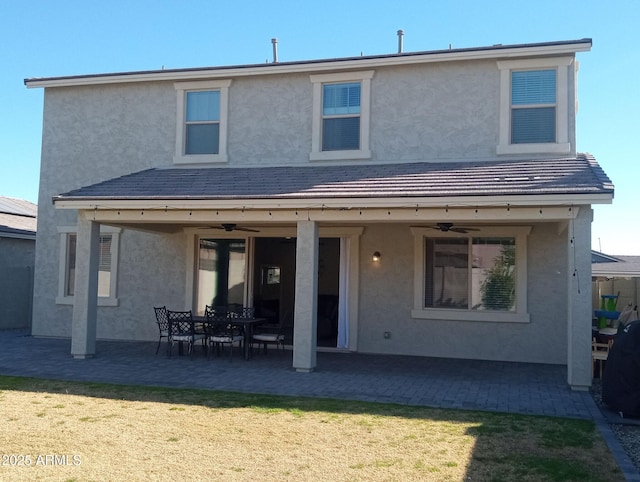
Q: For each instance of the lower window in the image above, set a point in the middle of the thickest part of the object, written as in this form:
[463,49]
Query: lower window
[470,273]
[478,277]
[107,267]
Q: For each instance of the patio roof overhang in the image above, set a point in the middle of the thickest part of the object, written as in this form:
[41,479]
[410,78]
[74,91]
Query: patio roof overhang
[168,216]
[536,190]
[335,203]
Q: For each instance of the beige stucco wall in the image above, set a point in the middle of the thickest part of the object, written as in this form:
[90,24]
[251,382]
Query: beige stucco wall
[447,111]
[92,134]
[440,111]
[387,299]
[434,112]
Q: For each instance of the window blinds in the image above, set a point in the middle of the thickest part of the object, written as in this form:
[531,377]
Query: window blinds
[533,106]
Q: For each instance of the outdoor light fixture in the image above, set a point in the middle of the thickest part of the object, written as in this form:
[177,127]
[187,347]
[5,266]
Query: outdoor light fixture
[376,256]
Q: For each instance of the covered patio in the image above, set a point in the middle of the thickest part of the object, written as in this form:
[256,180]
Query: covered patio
[387,208]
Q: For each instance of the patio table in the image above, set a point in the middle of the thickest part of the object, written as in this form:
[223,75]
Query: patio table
[246,323]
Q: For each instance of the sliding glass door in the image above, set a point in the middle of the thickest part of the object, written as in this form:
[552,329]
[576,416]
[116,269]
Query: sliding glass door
[221,273]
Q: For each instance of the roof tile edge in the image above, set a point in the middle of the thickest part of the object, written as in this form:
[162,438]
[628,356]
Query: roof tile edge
[493,51]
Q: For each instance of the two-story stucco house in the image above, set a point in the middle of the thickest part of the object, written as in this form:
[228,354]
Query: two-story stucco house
[429,203]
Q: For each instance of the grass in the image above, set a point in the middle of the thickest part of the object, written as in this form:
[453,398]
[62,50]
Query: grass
[104,432]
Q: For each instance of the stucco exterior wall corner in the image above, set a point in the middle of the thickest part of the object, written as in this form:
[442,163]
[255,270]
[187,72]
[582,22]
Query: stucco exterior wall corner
[579,298]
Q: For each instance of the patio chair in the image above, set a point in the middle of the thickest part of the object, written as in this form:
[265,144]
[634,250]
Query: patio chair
[163,324]
[242,312]
[271,334]
[183,329]
[219,331]
[599,355]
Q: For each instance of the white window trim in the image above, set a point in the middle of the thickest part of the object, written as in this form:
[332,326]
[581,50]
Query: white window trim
[181,89]
[562,145]
[364,77]
[65,231]
[521,315]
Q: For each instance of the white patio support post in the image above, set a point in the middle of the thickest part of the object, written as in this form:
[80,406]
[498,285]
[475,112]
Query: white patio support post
[85,298]
[305,311]
[579,315]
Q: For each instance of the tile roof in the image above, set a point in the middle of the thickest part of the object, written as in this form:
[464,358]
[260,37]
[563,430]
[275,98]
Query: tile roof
[18,218]
[565,176]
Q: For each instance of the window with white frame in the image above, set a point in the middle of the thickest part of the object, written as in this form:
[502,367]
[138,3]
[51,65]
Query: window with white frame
[107,266]
[470,273]
[201,134]
[534,106]
[479,276]
[202,122]
[341,116]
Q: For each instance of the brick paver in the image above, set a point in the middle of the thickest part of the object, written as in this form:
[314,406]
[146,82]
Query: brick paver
[435,382]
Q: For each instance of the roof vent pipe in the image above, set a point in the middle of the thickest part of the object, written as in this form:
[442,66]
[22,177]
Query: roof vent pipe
[274,42]
[400,39]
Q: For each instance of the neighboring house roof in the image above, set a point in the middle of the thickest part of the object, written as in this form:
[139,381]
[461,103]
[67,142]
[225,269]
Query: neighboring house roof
[568,176]
[597,257]
[606,266]
[18,218]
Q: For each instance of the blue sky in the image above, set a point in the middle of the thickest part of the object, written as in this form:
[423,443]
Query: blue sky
[44,38]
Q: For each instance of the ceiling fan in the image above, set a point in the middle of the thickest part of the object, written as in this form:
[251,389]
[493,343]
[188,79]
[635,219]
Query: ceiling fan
[449,227]
[228,227]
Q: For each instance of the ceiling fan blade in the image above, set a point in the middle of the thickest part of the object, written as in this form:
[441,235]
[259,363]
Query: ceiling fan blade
[458,230]
[228,227]
[449,227]
[423,226]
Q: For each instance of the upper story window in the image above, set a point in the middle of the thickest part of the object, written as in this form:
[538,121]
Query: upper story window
[341,116]
[201,132]
[202,124]
[534,106]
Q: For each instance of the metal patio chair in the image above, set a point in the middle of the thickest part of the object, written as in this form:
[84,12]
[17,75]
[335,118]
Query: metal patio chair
[163,324]
[182,329]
